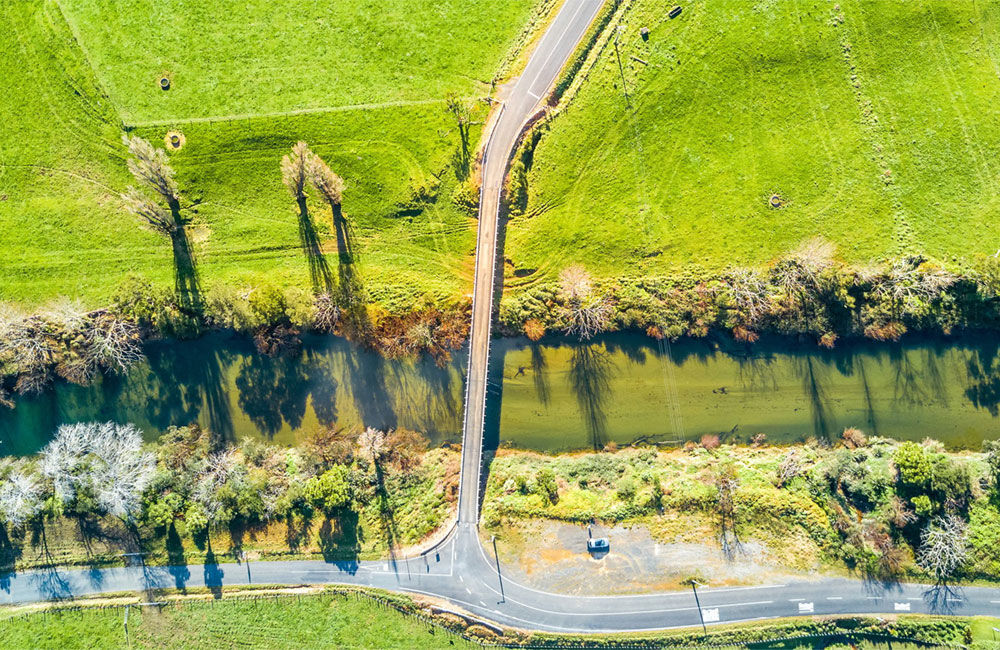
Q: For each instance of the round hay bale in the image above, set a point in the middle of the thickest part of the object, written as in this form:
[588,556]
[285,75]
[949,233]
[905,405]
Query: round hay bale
[174,140]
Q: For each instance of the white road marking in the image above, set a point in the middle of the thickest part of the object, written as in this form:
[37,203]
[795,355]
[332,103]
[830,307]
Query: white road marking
[913,598]
[805,608]
[873,597]
[795,600]
[835,598]
[710,615]
[533,95]
[901,607]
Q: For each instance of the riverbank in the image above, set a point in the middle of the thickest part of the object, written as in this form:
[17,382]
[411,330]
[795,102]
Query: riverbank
[338,496]
[737,515]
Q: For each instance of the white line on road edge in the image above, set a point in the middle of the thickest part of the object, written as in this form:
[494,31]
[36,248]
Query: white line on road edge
[533,95]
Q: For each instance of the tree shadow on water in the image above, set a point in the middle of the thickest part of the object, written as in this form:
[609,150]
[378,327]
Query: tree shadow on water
[539,374]
[812,386]
[319,270]
[274,391]
[983,378]
[590,375]
[190,386]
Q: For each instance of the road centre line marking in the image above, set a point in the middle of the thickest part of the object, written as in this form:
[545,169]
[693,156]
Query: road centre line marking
[835,598]
[795,600]
[874,597]
[533,95]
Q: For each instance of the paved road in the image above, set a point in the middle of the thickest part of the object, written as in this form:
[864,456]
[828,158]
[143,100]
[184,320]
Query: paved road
[524,99]
[462,571]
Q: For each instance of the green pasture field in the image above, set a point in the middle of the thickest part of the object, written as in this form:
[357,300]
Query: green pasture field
[876,123]
[314,621]
[364,83]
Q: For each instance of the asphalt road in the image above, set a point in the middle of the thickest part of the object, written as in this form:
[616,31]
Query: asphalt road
[463,571]
[460,569]
[523,100]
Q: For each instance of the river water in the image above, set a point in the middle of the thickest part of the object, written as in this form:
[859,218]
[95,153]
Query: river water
[550,396]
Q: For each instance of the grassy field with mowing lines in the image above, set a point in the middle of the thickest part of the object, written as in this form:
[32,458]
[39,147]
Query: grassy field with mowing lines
[365,88]
[874,122]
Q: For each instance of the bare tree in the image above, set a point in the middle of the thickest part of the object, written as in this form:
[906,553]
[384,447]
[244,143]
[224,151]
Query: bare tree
[750,293]
[587,318]
[327,183]
[294,170]
[102,459]
[327,312]
[20,499]
[157,218]
[575,283]
[789,468]
[151,167]
[27,346]
[113,342]
[372,444]
[943,546]
[910,278]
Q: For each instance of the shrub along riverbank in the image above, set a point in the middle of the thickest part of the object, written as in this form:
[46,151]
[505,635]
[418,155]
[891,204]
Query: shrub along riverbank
[96,492]
[879,508]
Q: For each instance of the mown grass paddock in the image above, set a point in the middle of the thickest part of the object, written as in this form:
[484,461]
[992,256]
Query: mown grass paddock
[874,123]
[365,88]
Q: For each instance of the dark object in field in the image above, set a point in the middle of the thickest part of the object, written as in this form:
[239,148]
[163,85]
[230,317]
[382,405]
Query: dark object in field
[635,58]
[598,546]
[165,83]
[676,11]
[644,32]
[776,201]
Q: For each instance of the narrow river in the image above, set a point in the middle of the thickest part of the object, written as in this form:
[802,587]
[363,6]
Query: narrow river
[549,396]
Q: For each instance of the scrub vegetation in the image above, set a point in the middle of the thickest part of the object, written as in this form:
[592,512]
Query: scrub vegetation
[879,508]
[96,491]
[731,133]
[369,91]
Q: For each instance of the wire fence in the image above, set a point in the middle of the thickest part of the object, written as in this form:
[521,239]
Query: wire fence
[458,634]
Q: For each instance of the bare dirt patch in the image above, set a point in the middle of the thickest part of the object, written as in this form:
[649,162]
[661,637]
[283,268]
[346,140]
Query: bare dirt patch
[552,556]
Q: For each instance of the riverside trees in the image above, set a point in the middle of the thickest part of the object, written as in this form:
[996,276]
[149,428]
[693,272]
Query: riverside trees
[102,477]
[805,292]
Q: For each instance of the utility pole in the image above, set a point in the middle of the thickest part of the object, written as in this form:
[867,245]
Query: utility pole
[503,598]
[697,603]
[621,69]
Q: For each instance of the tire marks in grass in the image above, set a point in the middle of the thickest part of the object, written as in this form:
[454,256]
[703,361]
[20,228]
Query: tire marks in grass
[883,148]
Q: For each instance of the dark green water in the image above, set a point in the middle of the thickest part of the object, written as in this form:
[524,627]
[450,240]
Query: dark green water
[550,396]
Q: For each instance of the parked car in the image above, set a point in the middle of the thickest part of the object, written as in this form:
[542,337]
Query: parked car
[598,545]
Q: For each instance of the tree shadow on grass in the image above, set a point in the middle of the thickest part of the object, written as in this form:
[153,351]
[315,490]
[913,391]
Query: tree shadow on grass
[186,281]
[319,269]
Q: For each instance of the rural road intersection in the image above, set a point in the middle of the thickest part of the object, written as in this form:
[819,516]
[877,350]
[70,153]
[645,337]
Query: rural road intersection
[460,569]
